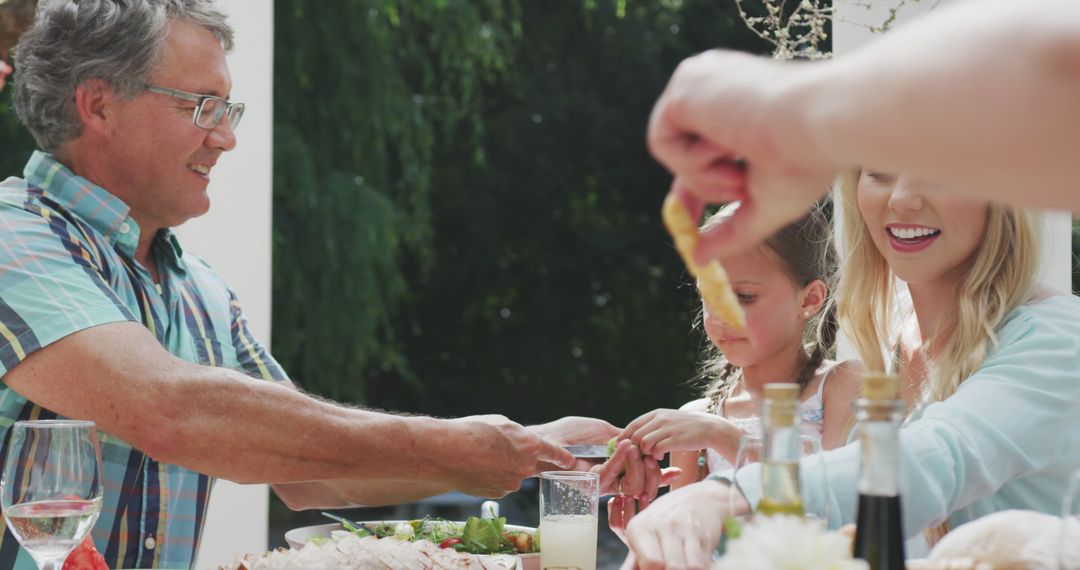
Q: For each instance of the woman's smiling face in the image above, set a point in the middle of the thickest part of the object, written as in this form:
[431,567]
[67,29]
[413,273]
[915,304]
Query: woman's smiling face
[927,235]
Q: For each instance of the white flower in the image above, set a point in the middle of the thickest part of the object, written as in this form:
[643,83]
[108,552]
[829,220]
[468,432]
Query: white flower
[788,543]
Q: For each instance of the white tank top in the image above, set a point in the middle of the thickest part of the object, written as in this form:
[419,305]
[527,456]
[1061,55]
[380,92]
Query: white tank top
[812,412]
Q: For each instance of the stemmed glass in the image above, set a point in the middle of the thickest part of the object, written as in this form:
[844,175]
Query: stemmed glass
[750,451]
[51,488]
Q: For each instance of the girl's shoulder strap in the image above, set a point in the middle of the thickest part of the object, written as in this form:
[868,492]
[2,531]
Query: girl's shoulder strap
[825,376]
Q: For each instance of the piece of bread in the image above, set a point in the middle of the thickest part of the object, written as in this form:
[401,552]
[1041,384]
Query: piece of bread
[1014,540]
[712,280]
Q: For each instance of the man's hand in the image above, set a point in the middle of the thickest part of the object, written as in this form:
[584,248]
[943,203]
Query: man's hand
[724,129]
[680,530]
[490,455]
[575,430]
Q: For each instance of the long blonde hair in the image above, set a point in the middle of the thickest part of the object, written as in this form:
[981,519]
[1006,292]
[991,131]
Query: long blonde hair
[1000,279]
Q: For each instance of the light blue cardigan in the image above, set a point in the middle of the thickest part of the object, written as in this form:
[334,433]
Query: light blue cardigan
[1009,438]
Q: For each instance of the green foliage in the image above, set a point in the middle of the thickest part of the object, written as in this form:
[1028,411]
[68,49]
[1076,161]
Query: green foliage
[363,91]
[1075,257]
[16,144]
[501,249]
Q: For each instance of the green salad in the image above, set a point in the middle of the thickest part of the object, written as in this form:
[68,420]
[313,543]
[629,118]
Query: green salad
[476,536]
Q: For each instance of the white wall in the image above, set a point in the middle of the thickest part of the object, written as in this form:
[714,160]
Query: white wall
[235,238]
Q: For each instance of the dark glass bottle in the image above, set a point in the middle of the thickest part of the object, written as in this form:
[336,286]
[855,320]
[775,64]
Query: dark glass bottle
[879,536]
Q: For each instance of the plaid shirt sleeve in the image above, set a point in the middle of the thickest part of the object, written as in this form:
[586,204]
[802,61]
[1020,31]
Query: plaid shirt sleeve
[254,359]
[52,283]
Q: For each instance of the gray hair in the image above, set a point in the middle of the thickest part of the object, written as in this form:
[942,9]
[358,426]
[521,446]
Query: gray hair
[75,41]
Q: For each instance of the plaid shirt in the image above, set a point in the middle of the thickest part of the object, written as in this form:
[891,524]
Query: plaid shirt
[67,263]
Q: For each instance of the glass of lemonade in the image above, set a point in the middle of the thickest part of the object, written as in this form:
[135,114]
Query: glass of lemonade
[51,488]
[568,515]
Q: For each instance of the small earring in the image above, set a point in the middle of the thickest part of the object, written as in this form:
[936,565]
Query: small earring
[806,314]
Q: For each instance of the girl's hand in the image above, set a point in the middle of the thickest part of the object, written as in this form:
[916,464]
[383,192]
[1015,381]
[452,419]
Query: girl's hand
[680,530]
[660,431]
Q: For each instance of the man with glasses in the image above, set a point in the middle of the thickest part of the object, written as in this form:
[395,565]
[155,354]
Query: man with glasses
[103,316]
[209,110]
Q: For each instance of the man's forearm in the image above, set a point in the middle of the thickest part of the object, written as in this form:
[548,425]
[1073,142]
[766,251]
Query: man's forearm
[218,421]
[286,436]
[222,423]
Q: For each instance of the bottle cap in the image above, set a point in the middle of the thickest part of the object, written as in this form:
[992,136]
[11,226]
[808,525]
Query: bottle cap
[782,391]
[781,403]
[880,387]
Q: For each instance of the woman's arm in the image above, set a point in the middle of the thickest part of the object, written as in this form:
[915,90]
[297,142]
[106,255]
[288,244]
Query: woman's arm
[1015,422]
[994,431]
[682,528]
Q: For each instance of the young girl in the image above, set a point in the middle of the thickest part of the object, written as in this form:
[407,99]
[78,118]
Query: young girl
[987,359]
[791,327]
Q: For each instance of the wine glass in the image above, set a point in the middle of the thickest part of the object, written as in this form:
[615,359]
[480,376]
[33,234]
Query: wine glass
[750,451]
[51,488]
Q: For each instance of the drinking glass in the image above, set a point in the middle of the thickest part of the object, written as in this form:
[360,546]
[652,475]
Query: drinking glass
[568,515]
[51,488]
[750,451]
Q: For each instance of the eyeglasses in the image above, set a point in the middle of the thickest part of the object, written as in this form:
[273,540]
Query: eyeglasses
[209,109]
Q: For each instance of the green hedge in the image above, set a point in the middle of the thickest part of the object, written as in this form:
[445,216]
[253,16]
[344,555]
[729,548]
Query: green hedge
[465,215]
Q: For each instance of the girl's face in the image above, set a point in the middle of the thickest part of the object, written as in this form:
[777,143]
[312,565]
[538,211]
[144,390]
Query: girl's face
[927,235]
[773,305]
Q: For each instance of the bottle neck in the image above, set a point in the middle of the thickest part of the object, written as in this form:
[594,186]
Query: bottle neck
[780,455]
[879,436]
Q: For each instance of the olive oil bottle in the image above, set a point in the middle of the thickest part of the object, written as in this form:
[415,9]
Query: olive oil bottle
[781,451]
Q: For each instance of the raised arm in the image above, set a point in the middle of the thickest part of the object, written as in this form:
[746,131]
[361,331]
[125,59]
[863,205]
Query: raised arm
[979,96]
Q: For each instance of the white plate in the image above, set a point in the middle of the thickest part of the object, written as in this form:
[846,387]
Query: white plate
[298,537]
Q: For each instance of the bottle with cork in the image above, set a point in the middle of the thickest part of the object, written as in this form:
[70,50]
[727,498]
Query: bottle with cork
[879,536]
[781,451]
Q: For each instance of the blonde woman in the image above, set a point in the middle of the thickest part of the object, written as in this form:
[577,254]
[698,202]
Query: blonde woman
[989,365]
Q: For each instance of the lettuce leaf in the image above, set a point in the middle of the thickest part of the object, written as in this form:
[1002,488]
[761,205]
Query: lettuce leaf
[484,536]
